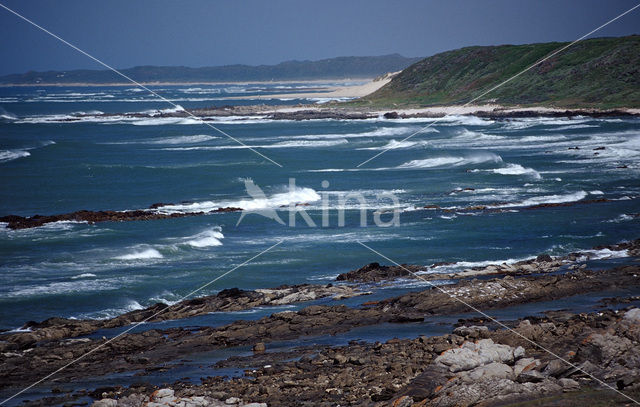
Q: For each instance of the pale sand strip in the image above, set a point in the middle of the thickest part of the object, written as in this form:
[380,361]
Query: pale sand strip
[354,91]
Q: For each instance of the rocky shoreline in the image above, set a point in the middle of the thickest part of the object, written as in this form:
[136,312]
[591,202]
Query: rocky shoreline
[155,212]
[26,222]
[424,370]
[341,111]
[474,365]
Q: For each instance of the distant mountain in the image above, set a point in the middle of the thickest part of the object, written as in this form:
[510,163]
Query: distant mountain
[601,72]
[333,68]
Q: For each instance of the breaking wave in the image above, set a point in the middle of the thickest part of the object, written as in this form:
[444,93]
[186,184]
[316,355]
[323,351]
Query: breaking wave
[517,169]
[297,196]
[142,255]
[547,199]
[208,238]
[9,155]
[452,161]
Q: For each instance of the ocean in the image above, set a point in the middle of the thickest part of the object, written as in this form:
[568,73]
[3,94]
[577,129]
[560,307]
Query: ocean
[50,164]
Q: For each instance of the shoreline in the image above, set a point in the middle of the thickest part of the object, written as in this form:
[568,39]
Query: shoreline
[533,284]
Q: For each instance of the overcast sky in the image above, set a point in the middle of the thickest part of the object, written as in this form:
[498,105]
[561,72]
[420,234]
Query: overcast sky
[126,33]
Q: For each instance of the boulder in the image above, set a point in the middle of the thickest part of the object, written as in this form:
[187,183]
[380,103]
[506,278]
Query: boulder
[105,403]
[530,376]
[633,316]
[492,370]
[568,384]
[473,332]
[471,355]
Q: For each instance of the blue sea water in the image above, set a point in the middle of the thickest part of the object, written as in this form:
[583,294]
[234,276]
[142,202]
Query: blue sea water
[51,165]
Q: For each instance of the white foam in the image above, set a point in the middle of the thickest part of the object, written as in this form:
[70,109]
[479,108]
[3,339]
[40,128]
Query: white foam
[469,135]
[63,287]
[190,139]
[547,199]
[452,161]
[141,255]
[621,218]
[465,120]
[208,238]
[298,195]
[282,144]
[603,254]
[469,264]
[380,132]
[175,109]
[131,305]
[517,169]
[83,275]
[166,120]
[393,144]
[9,155]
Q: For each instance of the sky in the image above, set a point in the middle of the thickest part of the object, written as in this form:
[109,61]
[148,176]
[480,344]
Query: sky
[126,33]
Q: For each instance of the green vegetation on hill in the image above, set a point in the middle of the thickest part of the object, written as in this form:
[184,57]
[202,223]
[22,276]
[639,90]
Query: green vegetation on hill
[601,72]
[333,68]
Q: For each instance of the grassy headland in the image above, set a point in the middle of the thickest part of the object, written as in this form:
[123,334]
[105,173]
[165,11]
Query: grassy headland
[598,73]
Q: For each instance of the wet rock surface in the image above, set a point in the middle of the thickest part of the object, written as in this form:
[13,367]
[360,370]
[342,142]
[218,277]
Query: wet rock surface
[22,222]
[543,263]
[449,370]
[375,272]
[25,357]
[231,299]
[480,362]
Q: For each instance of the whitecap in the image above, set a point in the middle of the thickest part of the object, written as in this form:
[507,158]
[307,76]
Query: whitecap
[83,275]
[517,169]
[282,144]
[9,155]
[393,144]
[547,199]
[451,161]
[131,305]
[141,255]
[379,132]
[621,218]
[208,238]
[187,139]
[298,195]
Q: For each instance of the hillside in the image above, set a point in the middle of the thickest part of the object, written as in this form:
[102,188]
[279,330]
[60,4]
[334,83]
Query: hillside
[601,72]
[333,68]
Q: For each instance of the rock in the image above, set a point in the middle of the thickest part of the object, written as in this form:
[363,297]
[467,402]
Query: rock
[374,272]
[556,368]
[492,370]
[525,364]
[105,403]
[391,115]
[339,359]
[532,376]
[633,316]
[471,355]
[259,347]
[232,400]
[162,393]
[568,384]
[544,258]
[473,332]
[404,401]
